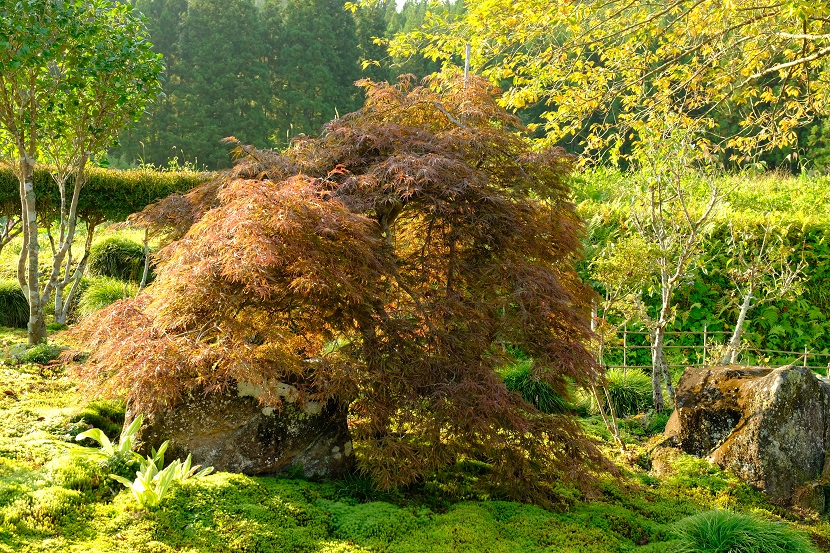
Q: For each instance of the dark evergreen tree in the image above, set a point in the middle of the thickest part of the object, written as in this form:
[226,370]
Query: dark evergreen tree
[217,82]
[314,61]
[371,23]
[151,139]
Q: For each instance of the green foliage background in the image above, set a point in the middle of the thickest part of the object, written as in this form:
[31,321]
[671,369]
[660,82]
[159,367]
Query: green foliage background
[262,72]
[797,207]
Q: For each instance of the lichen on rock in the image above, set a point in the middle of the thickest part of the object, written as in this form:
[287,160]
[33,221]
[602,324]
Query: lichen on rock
[769,426]
[235,432]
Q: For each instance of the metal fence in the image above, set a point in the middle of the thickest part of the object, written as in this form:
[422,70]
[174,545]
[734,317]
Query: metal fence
[699,351]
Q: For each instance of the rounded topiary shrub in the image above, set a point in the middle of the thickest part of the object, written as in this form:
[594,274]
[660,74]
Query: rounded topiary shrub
[117,257]
[102,291]
[14,309]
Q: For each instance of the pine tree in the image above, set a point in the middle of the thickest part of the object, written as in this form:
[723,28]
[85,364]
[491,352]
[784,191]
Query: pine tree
[217,82]
[313,57]
[149,140]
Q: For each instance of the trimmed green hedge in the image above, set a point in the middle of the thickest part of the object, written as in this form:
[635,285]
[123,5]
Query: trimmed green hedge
[108,194]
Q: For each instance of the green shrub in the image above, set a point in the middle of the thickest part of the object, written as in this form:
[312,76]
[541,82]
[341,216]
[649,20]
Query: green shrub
[519,378]
[630,391]
[14,308]
[102,292]
[41,354]
[657,423]
[117,257]
[728,532]
[108,415]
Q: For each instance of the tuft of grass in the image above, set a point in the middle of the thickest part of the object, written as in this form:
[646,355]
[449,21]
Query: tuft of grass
[41,354]
[102,292]
[108,415]
[518,377]
[630,391]
[117,257]
[728,532]
[14,309]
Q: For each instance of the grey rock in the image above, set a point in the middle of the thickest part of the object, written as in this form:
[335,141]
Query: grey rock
[769,426]
[235,432]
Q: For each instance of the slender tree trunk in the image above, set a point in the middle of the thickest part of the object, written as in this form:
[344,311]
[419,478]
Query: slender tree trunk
[146,272]
[62,309]
[658,362]
[37,324]
[69,223]
[24,250]
[731,355]
[667,378]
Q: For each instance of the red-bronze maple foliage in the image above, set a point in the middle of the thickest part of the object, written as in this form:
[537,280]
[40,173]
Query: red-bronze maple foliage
[385,264]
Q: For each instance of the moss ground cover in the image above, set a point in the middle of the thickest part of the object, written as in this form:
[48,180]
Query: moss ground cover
[55,497]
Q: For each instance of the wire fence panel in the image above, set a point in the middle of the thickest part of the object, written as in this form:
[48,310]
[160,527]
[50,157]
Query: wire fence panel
[626,350]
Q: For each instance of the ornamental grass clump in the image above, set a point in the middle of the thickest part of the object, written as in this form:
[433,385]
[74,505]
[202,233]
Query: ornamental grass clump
[103,291]
[419,233]
[728,532]
[14,309]
[519,378]
[630,391]
[117,257]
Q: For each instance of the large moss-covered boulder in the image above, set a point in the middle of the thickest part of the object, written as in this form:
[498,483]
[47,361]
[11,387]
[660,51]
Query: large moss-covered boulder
[769,426]
[235,432]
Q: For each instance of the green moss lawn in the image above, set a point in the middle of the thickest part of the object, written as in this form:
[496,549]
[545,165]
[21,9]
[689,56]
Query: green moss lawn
[55,496]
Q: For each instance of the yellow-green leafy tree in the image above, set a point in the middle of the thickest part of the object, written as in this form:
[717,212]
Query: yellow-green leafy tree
[652,83]
[71,75]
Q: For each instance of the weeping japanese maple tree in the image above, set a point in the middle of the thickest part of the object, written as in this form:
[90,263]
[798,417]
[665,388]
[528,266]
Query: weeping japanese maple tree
[385,264]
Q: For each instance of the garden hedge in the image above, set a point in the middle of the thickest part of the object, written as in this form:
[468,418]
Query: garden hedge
[108,195]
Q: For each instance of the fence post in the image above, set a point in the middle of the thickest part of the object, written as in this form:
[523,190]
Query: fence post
[625,350]
[705,338]
[805,357]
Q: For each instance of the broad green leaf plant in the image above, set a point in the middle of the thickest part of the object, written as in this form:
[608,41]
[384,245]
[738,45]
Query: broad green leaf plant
[153,479]
[126,442]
